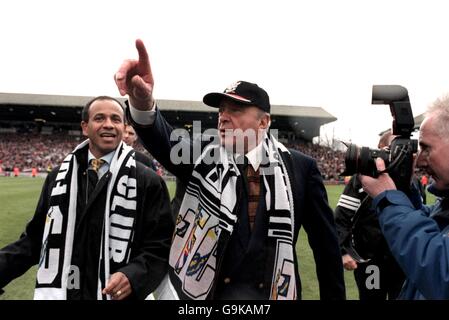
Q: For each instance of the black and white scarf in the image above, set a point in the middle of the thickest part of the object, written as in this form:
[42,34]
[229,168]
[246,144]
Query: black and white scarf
[208,213]
[55,273]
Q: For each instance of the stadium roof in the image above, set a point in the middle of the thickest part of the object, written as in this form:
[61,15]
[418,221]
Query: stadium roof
[304,121]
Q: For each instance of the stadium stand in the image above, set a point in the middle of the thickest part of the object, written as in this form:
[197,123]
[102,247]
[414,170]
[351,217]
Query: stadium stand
[43,152]
[36,131]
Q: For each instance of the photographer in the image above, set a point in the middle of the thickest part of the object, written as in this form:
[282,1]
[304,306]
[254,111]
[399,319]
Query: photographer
[418,238]
[357,225]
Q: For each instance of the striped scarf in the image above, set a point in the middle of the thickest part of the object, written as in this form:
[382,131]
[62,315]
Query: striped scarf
[55,272]
[208,215]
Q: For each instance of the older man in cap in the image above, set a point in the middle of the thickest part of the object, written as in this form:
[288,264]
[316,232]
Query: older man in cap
[246,199]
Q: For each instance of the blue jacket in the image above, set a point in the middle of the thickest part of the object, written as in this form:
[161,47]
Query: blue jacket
[418,239]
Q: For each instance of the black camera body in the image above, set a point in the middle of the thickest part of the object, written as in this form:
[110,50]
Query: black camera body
[399,157]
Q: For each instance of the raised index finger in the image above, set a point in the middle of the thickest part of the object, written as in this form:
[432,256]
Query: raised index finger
[144,61]
[143,66]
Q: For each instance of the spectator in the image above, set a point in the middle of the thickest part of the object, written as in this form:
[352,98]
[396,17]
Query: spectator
[130,138]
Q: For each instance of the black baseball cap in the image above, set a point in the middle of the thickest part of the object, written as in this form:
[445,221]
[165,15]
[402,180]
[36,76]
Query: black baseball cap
[242,92]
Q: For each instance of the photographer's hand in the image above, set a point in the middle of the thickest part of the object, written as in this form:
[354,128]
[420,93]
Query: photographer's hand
[373,186]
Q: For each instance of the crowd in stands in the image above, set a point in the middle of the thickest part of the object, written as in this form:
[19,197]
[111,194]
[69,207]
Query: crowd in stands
[330,162]
[26,151]
[29,150]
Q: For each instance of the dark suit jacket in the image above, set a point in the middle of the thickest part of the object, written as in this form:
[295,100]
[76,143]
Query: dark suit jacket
[310,201]
[144,159]
[153,230]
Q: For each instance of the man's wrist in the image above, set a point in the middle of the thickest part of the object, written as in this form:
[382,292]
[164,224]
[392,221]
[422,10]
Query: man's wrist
[142,105]
[391,197]
[143,118]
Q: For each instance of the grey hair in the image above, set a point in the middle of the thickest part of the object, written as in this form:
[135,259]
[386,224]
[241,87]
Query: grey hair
[440,109]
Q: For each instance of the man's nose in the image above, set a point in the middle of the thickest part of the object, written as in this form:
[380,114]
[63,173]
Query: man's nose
[421,160]
[223,116]
[108,123]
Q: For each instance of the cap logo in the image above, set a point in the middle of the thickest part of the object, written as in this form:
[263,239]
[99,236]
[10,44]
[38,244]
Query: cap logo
[232,87]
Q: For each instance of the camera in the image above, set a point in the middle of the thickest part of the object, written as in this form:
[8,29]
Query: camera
[364,240]
[398,157]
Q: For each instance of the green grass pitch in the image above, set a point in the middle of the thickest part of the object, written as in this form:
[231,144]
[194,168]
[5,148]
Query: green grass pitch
[18,199]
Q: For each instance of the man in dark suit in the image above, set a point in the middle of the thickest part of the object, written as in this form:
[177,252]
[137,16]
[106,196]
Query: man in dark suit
[246,199]
[362,243]
[103,224]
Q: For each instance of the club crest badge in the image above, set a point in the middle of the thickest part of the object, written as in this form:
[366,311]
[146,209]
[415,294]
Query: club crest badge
[231,88]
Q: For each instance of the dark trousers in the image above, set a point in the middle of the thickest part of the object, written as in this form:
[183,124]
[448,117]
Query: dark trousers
[390,279]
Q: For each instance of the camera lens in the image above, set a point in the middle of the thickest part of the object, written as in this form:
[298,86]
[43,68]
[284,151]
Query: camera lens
[362,160]
[366,162]
[351,160]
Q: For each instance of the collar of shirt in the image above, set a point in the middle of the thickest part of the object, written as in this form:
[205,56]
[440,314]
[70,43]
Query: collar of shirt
[255,156]
[107,161]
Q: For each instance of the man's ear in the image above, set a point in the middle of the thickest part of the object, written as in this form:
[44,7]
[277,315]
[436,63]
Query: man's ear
[265,121]
[84,127]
